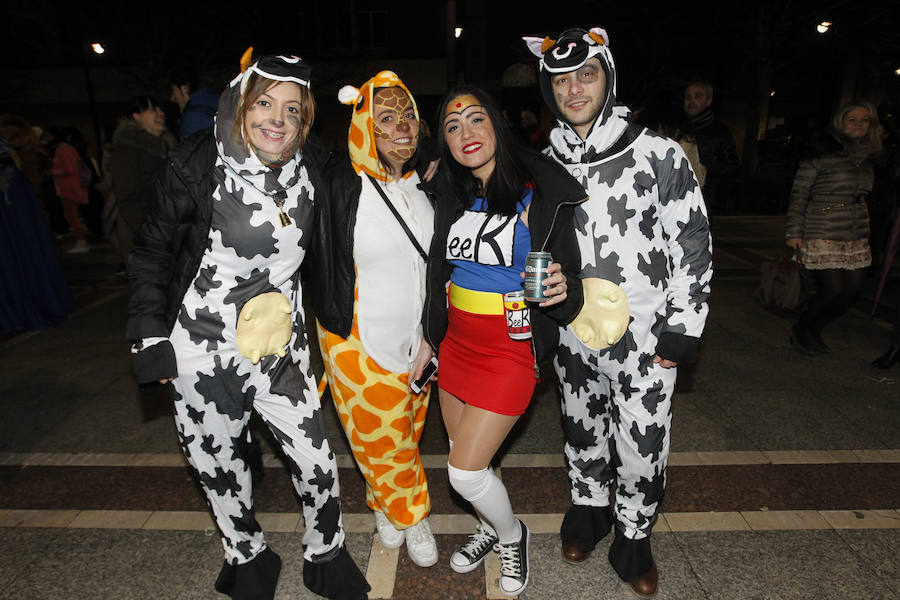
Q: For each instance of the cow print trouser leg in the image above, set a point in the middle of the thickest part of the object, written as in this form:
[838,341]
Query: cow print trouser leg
[214,396]
[617,423]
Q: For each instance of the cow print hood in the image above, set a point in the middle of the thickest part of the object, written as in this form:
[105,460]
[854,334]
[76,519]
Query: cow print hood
[568,53]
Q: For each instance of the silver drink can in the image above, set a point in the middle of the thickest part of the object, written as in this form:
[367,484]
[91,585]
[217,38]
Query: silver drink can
[536,264]
[518,316]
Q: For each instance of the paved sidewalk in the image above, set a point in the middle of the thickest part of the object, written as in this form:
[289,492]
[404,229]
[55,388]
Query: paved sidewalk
[784,481]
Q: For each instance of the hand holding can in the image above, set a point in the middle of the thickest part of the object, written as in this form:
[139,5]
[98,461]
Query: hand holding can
[536,264]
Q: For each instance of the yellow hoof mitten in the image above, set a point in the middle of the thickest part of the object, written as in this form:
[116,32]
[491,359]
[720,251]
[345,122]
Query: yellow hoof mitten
[604,317]
[264,326]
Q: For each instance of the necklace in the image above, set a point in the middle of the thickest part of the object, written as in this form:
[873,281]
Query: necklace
[277,197]
[282,216]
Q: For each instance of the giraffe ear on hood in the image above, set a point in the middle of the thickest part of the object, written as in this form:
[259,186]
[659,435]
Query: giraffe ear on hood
[536,45]
[348,94]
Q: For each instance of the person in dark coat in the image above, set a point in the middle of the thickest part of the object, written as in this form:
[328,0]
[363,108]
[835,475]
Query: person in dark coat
[828,222]
[141,144]
[197,103]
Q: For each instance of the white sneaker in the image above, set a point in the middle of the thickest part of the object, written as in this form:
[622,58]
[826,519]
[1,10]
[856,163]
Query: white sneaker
[390,536]
[420,544]
[471,554]
[514,564]
[80,247]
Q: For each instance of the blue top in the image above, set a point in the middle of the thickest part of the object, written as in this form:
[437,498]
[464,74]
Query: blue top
[487,251]
[199,112]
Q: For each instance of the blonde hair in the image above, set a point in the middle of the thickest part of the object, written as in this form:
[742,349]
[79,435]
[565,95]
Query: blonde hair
[257,85]
[872,139]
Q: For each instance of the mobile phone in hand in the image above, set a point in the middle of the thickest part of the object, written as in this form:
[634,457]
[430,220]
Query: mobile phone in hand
[429,370]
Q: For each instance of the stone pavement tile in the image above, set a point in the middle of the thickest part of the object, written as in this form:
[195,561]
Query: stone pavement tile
[113,564]
[438,582]
[863,519]
[37,518]
[699,424]
[781,520]
[551,577]
[787,419]
[179,520]
[779,565]
[872,410]
[879,550]
[706,521]
[21,547]
[110,519]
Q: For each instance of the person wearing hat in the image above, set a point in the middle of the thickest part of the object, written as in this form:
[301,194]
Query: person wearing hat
[216,309]
[367,282]
[644,230]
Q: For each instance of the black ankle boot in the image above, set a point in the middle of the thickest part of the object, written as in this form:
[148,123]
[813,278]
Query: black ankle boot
[802,341]
[888,359]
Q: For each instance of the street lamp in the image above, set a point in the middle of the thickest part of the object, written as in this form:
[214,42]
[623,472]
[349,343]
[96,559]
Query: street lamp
[98,48]
[824,26]
[457,32]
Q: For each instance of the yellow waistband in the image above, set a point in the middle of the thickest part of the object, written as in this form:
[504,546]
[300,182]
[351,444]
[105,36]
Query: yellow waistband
[479,303]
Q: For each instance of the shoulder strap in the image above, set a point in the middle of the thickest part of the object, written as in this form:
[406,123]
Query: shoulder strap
[400,220]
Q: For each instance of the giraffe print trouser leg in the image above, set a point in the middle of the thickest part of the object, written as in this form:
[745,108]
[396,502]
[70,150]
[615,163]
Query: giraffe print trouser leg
[383,420]
[214,395]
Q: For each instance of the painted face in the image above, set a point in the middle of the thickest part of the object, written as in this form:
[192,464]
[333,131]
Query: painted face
[855,123]
[272,122]
[152,120]
[470,135]
[696,100]
[580,94]
[396,128]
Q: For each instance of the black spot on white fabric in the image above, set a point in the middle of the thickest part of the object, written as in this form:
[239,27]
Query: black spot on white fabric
[698,295]
[314,429]
[676,180]
[625,380]
[620,350]
[246,288]
[577,435]
[327,519]
[283,438]
[643,183]
[246,239]
[652,489]
[577,373]
[206,280]
[609,172]
[246,521]
[224,389]
[245,547]
[196,416]
[207,445]
[584,491]
[650,442]
[322,479]
[206,326]
[656,268]
[185,440]
[598,470]
[221,482]
[693,237]
[619,213]
[653,396]
[648,220]
[596,405]
[645,361]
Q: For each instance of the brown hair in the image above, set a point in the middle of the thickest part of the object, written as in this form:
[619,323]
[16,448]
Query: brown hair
[256,87]
[873,135]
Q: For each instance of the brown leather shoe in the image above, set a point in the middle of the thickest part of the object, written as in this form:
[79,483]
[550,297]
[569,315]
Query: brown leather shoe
[573,554]
[645,585]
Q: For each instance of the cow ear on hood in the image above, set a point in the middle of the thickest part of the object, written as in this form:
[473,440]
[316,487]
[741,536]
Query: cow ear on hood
[599,35]
[538,46]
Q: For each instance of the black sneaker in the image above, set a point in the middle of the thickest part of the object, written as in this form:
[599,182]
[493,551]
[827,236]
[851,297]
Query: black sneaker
[514,564]
[468,556]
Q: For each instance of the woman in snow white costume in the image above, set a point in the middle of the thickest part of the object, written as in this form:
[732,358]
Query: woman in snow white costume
[216,308]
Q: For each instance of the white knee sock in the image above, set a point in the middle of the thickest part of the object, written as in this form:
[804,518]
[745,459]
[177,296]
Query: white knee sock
[488,496]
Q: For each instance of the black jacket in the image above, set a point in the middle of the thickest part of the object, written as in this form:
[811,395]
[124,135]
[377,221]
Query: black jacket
[329,269]
[171,244]
[552,227]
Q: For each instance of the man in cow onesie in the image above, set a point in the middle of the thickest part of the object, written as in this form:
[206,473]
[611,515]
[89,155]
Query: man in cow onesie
[644,235]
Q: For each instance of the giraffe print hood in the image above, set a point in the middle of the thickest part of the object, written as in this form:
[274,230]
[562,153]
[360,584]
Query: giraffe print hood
[361,138]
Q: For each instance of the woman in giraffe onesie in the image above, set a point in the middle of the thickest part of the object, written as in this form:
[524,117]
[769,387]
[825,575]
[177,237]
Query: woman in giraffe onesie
[216,308]
[368,291]
[643,233]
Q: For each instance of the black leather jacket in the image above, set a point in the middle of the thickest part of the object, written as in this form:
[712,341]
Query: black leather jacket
[552,227]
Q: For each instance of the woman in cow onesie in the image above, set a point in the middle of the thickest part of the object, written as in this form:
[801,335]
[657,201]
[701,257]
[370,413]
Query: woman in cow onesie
[368,289]
[216,308]
[643,233]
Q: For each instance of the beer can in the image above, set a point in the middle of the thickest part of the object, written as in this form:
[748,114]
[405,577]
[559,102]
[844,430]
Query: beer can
[536,264]
[518,318]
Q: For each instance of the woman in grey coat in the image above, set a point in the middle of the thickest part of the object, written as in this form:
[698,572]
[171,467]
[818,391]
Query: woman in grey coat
[828,223]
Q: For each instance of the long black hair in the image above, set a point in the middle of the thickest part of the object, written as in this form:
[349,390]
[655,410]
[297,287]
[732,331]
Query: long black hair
[505,186]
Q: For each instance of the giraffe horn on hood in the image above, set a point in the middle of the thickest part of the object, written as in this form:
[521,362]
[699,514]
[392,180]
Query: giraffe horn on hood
[246,58]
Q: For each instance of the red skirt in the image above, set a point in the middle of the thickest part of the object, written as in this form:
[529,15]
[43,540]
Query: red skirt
[482,366]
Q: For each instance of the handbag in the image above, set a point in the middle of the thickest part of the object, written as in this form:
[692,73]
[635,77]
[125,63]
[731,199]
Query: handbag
[784,286]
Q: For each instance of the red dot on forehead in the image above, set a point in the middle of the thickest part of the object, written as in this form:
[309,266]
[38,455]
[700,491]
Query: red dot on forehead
[458,104]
